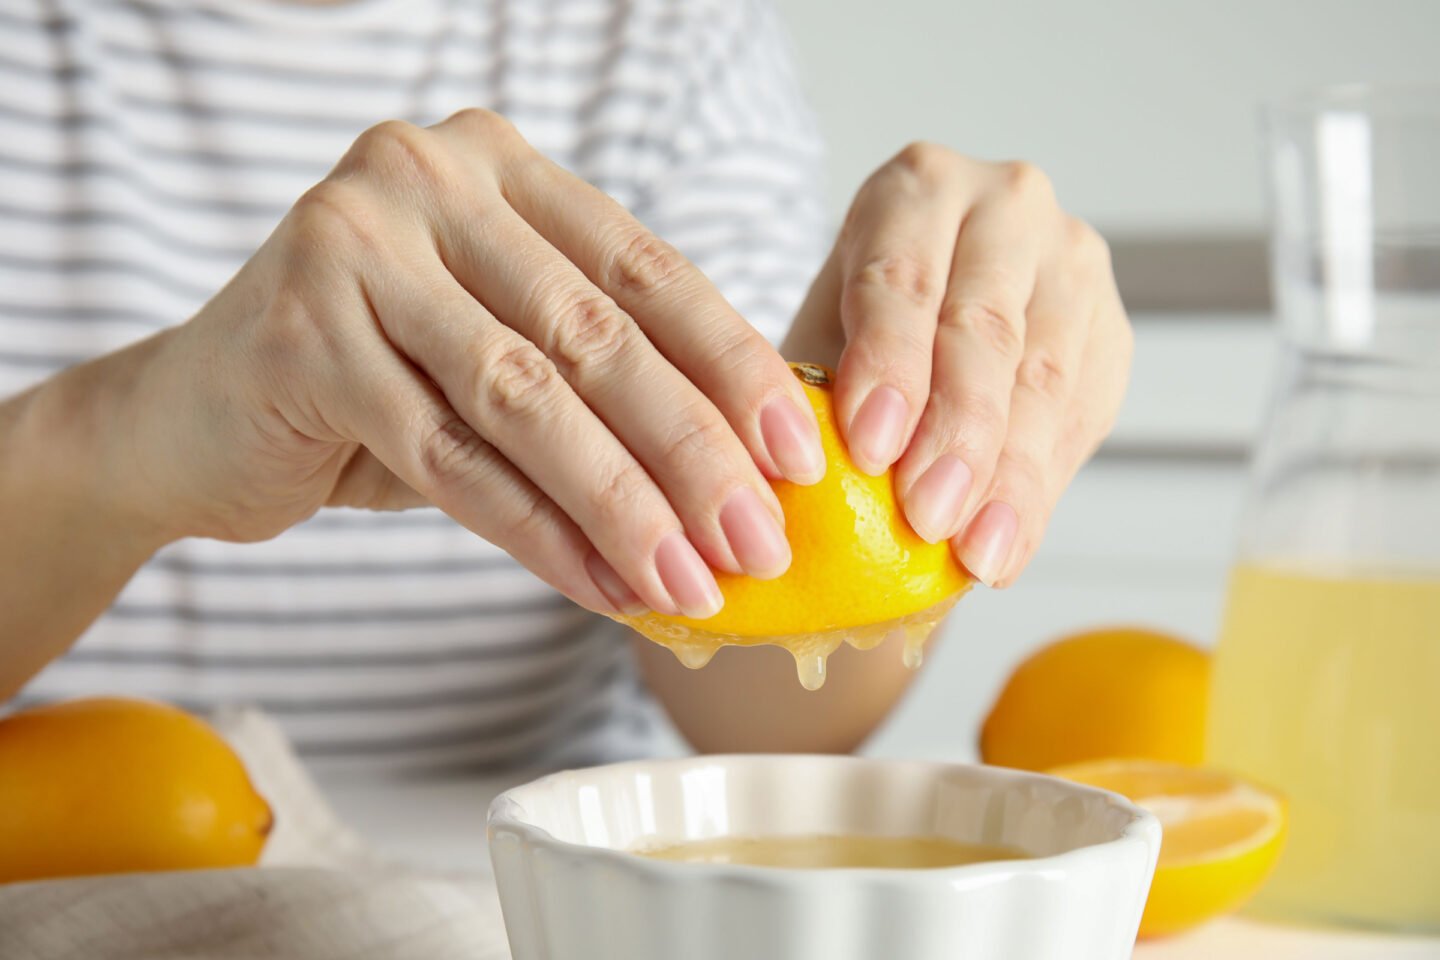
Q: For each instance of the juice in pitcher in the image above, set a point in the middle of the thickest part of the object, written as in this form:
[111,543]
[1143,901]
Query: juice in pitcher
[1327,675]
[1316,693]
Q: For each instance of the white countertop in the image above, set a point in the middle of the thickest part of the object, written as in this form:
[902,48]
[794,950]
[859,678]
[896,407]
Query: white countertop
[441,823]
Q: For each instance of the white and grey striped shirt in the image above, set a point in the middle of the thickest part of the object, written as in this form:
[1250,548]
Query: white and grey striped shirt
[148,146]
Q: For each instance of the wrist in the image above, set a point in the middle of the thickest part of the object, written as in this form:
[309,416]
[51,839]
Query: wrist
[71,458]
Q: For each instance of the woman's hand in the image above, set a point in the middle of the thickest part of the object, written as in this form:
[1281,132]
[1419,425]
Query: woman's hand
[982,347]
[451,318]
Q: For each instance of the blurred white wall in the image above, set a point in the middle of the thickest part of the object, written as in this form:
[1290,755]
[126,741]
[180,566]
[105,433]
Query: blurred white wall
[1143,111]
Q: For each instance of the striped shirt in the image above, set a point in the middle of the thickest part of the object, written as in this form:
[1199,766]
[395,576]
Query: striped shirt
[148,146]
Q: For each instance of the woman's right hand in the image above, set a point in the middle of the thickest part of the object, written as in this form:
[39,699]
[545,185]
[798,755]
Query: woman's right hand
[451,318]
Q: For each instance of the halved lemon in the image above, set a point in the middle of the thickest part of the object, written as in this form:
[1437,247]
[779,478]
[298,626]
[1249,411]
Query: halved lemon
[1222,836]
[859,574]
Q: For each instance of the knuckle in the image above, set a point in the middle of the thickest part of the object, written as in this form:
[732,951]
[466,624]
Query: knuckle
[977,420]
[333,216]
[590,330]
[520,380]
[1086,243]
[289,328]
[397,149]
[619,496]
[736,351]
[926,161]
[1025,179]
[1041,372]
[985,322]
[968,420]
[697,439]
[1021,473]
[483,125]
[903,275]
[533,525]
[450,451]
[645,264]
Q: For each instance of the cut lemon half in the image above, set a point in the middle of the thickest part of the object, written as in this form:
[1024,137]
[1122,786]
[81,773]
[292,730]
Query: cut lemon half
[1222,836]
[858,573]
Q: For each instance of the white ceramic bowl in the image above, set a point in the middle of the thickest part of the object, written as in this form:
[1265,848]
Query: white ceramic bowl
[570,891]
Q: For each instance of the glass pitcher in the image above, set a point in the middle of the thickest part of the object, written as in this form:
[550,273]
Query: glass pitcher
[1327,676]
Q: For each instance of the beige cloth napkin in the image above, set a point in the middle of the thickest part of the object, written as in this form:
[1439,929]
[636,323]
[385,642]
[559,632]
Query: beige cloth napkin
[319,894]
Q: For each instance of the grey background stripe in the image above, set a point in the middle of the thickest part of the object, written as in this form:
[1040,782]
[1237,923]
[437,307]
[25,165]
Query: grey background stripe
[429,613]
[86,217]
[587,145]
[598,32]
[570,635]
[556,727]
[55,313]
[76,265]
[302,570]
[348,80]
[45,359]
[475,691]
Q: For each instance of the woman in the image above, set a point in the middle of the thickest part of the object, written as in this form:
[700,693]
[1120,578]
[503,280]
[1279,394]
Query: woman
[457,322]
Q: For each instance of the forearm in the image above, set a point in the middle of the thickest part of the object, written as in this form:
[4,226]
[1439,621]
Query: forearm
[749,700]
[73,534]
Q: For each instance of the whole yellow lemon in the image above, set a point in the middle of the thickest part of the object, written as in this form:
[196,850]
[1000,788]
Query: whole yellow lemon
[112,785]
[1116,692]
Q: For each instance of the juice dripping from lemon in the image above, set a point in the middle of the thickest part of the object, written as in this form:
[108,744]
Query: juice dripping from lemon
[859,573]
[695,646]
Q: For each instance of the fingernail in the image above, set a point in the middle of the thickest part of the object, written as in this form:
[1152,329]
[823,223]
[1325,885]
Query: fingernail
[755,538]
[793,441]
[933,505]
[878,430]
[617,591]
[691,584]
[986,545]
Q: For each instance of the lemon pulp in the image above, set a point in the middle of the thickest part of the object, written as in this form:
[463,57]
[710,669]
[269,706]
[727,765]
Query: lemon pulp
[859,573]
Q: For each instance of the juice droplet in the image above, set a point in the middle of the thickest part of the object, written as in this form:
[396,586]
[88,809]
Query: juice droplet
[915,636]
[913,656]
[811,654]
[694,655]
[811,670]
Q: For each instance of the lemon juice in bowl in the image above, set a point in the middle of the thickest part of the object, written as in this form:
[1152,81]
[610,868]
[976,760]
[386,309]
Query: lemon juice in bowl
[1327,675]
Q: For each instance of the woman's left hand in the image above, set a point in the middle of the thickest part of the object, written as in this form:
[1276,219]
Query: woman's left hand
[982,347]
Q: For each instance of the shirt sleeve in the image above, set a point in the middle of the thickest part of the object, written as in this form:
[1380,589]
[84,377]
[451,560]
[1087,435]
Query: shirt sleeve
[741,194]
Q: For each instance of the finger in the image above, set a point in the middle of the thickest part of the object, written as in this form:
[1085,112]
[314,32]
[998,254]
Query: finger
[505,390]
[1100,390]
[679,311]
[368,484]
[402,419]
[1105,373]
[728,509]
[1032,470]
[978,346]
[814,336]
[894,254]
